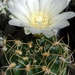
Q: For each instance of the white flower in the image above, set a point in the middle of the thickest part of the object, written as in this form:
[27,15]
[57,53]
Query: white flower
[68,1]
[40,16]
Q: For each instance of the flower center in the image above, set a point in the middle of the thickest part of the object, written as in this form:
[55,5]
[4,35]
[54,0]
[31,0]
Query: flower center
[39,20]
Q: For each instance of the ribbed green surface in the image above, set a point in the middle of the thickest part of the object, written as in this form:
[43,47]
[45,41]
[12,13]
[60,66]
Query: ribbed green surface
[40,56]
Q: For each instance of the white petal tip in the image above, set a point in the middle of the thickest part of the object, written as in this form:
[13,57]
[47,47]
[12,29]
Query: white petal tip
[27,32]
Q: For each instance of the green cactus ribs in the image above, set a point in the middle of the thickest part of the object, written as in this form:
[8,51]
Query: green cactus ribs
[42,56]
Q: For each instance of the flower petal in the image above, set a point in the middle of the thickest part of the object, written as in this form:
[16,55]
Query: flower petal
[36,5]
[68,1]
[55,7]
[35,31]
[47,6]
[27,32]
[15,22]
[59,25]
[63,16]
[43,5]
[55,31]
[30,4]
[16,13]
[48,33]
[21,7]
[61,5]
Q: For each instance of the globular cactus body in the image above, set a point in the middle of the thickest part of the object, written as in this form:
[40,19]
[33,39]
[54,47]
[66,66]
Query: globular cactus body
[40,56]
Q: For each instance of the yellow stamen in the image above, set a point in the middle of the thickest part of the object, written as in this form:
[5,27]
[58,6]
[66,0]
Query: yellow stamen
[39,20]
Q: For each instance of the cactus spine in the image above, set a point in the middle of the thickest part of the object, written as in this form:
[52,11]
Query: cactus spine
[40,56]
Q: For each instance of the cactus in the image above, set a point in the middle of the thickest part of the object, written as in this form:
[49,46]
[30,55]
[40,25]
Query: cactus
[32,54]
[38,56]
